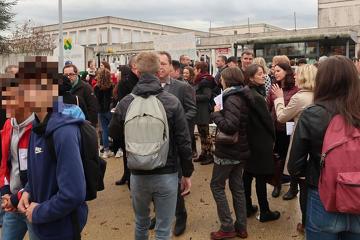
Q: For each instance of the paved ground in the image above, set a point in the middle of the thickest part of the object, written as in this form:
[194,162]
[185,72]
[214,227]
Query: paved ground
[111,215]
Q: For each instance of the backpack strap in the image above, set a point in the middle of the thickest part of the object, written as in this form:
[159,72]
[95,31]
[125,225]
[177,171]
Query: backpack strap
[74,217]
[77,100]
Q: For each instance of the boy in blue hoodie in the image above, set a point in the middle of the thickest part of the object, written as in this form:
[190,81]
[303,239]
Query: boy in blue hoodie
[54,198]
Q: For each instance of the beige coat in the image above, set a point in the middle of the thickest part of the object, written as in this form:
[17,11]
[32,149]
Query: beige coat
[298,102]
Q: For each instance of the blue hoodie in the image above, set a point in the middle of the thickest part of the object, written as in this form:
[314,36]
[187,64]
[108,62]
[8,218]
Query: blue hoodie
[58,185]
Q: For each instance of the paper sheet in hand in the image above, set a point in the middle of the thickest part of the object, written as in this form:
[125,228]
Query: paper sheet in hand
[219,100]
[290,128]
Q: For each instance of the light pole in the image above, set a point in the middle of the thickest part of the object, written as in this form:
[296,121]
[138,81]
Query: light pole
[61,39]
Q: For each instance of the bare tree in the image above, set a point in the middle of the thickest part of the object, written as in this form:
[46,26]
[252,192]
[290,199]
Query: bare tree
[26,38]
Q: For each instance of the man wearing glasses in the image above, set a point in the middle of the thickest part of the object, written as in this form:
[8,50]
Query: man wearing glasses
[83,90]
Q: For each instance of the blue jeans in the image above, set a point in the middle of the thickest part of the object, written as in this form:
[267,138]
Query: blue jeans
[105,121]
[15,226]
[324,225]
[162,189]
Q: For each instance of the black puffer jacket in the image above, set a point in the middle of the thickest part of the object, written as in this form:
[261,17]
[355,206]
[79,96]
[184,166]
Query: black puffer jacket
[234,118]
[307,143]
[104,98]
[180,142]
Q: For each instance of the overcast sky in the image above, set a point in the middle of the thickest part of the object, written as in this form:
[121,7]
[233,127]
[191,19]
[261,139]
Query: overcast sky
[194,14]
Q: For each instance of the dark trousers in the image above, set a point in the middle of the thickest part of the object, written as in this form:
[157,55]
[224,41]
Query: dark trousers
[192,135]
[303,199]
[260,187]
[205,138]
[180,205]
[281,147]
[219,176]
[115,148]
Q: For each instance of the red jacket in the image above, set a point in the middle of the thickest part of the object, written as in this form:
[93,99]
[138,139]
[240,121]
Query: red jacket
[5,166]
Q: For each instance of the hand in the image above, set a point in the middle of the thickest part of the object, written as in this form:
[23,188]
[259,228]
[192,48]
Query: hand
[277,91]
[24,202]
[217,108]
[29,211]
[185,185]
[6,204]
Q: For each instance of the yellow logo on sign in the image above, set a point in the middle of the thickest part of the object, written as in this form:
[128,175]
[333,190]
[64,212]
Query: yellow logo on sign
[67,43]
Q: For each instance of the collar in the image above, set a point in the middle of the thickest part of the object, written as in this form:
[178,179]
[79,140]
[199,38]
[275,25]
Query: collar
[75,82]
[167,82]
[27,121]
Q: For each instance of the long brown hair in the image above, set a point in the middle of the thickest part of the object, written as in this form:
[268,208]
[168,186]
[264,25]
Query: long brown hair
[289,81]
[103,78]
[337,81]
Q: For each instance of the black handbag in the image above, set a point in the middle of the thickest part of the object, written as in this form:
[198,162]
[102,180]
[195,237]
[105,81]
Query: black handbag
[223,138]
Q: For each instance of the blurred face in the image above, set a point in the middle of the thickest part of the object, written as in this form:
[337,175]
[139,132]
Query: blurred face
[93,65]
[246,60]
[259,77]
[219,62]
[24,99]
[70,73]
[279,73]
[186,61]
[186,74]
[165,67]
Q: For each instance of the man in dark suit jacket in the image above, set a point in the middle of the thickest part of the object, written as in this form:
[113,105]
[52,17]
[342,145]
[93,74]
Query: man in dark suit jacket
[186,94]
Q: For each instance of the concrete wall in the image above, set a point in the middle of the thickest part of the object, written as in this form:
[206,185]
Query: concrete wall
[332,13]
[14,59]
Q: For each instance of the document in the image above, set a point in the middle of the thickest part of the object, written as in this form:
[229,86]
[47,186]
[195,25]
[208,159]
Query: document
[290,128]
[219,100]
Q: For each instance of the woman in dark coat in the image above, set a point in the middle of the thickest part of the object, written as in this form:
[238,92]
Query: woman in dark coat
[284,76]
[230,158]
[261,138]
[203,85]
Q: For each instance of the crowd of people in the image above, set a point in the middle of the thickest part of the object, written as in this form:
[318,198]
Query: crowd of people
[271,124]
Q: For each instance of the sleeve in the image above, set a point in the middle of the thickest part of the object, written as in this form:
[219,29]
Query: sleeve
[92,105]
[116,126]
[69,176]
[285,114]
[228,119]
[189,102]
[183,141]
[301,146]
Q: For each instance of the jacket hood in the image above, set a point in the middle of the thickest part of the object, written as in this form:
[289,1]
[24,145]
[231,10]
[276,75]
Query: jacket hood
[245,92]
[148,84]
[57,120]
[203,76]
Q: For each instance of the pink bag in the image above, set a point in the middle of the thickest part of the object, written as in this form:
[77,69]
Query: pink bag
[339,184]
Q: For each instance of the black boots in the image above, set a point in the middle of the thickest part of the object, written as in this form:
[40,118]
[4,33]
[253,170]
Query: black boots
[269,216]
[209,159]
[276,192]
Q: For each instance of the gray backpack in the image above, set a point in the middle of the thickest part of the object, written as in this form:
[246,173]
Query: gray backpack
[146,133]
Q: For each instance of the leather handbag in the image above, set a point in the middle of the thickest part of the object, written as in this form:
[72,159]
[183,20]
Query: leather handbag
[223,138]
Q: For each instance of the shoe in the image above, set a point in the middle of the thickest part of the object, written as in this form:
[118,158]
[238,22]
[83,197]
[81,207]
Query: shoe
[241,233]
[276,192]
[300,228]
[251,210]
[180,225]
[290,195]
[222,235]
[122,181]
[152,223]
[194,154]
[119,153]
[269,216]
[201,158]
[107,154]
[209,160]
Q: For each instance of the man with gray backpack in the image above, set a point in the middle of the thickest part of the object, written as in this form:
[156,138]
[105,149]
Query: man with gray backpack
[153,125]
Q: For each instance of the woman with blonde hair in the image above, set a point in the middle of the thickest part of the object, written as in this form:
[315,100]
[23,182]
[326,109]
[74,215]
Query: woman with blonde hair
[305,81]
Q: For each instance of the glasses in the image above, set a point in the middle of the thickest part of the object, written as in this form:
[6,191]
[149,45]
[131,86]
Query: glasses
[70,74]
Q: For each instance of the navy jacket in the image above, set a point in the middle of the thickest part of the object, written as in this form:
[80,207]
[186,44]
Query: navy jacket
[58,185]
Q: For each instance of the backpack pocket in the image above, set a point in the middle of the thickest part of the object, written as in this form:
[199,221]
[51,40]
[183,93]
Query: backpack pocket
[348,192]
